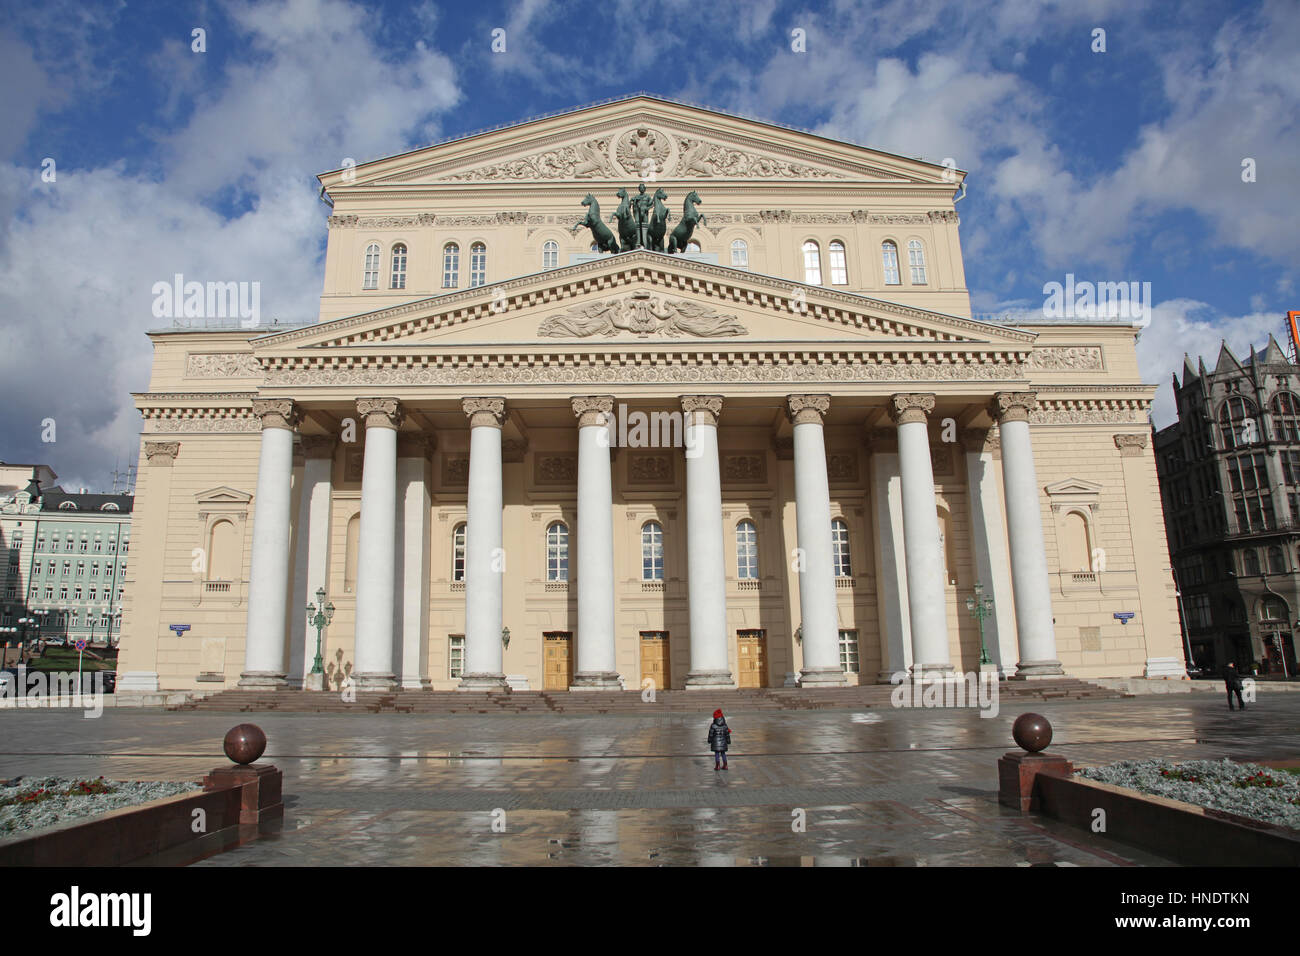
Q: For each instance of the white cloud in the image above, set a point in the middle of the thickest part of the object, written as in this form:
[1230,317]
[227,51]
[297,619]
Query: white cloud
[79,261]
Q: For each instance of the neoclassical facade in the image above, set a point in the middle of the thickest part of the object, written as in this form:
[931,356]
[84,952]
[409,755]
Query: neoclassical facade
[787,455]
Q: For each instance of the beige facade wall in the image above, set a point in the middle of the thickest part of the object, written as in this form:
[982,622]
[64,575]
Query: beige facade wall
[860,343]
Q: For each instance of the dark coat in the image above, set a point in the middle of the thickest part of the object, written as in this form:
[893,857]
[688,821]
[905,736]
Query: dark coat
[719,735]
[1232,678]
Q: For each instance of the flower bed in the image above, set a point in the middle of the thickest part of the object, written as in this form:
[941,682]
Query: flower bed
[34,802]
[1246,789]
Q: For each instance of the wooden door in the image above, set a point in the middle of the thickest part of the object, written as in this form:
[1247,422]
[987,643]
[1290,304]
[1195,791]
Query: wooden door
[751,658]
[558,648]
[655,660]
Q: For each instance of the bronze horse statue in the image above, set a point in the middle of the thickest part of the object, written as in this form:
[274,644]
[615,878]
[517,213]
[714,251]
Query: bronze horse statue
[626,221]
[658,221]
[690,217]
[600,232]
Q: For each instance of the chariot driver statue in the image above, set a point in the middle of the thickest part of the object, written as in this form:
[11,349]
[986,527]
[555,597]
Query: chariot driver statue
[642,211]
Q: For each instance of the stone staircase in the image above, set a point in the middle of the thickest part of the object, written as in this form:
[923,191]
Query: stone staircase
[618,702]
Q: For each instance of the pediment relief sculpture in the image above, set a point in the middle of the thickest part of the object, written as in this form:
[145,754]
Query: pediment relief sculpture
[644,315]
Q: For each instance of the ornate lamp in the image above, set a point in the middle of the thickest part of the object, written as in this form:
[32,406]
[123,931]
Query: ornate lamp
[505,638]
[318,616]
[980,608]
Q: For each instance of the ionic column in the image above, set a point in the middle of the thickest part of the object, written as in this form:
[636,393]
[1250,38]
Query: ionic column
[821,651]
[1033,600]
[484,555]
[926,599]
[268,575]
[597,669]
[311,559]
[376,549]
[705,563]
[413,540]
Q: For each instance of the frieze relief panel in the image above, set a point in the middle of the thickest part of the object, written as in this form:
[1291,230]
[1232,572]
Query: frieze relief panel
[1067,358]
[221,365]
[574,161]
[656,469]
[701,158]
[842,467]
[455,471]
[555,469]
[745,467]
[214,426]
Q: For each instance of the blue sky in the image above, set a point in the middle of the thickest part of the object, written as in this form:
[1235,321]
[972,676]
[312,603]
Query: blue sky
[1123,165]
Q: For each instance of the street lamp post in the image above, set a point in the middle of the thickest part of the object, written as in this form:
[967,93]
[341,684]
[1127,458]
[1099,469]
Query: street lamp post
[980,608]
[318,615]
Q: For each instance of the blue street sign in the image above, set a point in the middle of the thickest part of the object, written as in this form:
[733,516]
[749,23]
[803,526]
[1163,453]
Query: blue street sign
[1124,616]
[178,628]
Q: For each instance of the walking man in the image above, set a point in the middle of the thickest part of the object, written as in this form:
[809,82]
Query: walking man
[1233,681]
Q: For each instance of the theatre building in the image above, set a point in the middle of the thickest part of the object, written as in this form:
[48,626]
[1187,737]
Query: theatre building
[764,442]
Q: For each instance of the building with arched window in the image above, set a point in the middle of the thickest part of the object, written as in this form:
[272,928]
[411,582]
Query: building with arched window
[818,451]
[1230,486]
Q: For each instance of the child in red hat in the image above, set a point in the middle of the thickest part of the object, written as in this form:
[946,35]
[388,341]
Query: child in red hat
[719,740]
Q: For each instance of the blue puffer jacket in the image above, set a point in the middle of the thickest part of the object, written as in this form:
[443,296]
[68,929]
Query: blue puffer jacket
[719,735]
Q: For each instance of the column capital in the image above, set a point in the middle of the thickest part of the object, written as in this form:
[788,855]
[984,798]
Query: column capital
[593,409]
[162,452]
[1130,446]
[702,409]
[277,412]
[484,411]
[414,445]
[381,412]
[318,446]
[807,409]
[906,408]
[1013,406]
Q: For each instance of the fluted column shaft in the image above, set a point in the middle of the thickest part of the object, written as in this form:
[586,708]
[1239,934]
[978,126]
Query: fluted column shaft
[268,575]
[925,579]
[1029,582]
[705,562]
[485,558]
[817,602]
[597,668]
[376,548]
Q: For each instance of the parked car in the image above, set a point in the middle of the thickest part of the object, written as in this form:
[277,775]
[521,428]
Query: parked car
[110,681]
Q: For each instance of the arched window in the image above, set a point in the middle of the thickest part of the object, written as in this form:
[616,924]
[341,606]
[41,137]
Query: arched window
[550,254]
[1273,608]
[223,552]
[450,265]
[557,551]
[399,267]
[1276,561]
[889,252]
[839,264]
[692,246]
[652,551]
[1238,423]
[916,260]
[350,554]
[740,254]
[840,548]
[371,279]
[812,263]
[1250,562]
[1075,553]
[108,506]
[1286,417]
[67,506]
[458,552]
[477,264]
[746,551]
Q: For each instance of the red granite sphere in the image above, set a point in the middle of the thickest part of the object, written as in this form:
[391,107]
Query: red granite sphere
[1032,732]
[244,743]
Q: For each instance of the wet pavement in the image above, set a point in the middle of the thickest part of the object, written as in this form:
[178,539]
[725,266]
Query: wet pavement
[868,788]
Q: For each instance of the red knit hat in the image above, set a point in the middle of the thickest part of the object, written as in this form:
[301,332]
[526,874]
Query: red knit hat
[717,713]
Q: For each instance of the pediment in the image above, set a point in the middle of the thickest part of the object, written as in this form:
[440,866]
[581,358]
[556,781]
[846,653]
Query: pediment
[223,495]
[644,299]
[640,138]
[1073,492]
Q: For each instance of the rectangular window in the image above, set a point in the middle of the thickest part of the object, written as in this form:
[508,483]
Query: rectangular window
[49,594]
[63,592]
[40,543]
[92,593]
[76,593]
[81,569]
[456,655]
[99,546]
[849,652]
[94,570]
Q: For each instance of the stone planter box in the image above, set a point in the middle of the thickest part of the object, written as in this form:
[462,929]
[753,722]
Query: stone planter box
[1183,832]
[237,804]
